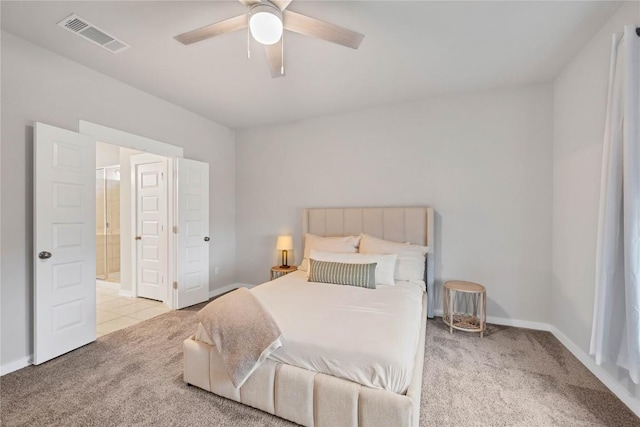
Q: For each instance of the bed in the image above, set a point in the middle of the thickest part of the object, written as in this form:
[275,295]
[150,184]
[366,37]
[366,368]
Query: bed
[362,381]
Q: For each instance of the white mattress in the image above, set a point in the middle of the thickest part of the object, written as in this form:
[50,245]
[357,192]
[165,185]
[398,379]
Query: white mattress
[363,335]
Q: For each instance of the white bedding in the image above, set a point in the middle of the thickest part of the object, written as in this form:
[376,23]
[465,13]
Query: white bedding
[364,335]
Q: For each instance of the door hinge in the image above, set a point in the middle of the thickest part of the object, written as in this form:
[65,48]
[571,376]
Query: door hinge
[175,285]
[175,229]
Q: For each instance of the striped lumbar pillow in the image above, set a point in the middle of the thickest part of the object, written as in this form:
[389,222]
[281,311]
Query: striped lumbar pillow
[340,273]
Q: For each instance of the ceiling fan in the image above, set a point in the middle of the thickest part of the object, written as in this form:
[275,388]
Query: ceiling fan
[267,19]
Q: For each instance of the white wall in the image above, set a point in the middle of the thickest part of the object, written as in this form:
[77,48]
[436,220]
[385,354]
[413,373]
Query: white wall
[38,85]
[107,155]
[482,160]
[580,95]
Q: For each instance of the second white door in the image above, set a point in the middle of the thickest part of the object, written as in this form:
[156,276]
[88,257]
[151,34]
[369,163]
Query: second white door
[193,232]
[151,230]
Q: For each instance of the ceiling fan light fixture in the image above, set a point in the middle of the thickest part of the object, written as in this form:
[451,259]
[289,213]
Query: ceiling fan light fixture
[265,23]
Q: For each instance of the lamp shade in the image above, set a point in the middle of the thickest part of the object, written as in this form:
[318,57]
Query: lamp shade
[265,23]
[285,243]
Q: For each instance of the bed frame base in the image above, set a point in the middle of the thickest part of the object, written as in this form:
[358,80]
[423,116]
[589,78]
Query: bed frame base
[305,397]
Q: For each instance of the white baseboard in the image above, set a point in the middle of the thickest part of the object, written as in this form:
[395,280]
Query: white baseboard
[125,293]
[589,362]
[526,324]
[7,368]
[609,381]
[223,290]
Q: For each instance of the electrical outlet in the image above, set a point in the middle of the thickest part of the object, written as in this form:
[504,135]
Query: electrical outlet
[216,271]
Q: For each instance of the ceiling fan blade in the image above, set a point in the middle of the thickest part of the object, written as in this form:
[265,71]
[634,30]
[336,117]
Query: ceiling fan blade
[249,3]
[274,57]
[282,4]
[302,24]
[212,30]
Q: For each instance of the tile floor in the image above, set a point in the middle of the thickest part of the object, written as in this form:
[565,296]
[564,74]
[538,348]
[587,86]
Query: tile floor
[115,312]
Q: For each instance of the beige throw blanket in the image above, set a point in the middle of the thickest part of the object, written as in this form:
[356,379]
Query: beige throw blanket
[243,331]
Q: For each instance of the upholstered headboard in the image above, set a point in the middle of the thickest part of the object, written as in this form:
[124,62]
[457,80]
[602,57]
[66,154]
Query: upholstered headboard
[402,224]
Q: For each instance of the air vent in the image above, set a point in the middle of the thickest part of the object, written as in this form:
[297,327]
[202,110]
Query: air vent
[95,35]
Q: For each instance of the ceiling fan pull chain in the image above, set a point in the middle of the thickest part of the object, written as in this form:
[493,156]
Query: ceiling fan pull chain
[249,39]
[282,53]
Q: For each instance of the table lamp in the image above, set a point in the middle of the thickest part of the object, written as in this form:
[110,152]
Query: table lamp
[285,243]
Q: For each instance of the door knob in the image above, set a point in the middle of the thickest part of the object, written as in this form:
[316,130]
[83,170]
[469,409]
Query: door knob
[44,255]
[206,239]
[138,237]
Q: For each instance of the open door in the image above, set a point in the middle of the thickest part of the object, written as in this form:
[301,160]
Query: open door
[64,242]
[192,191]
[151,227]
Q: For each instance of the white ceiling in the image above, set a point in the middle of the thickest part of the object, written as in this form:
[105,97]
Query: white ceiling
[411,50]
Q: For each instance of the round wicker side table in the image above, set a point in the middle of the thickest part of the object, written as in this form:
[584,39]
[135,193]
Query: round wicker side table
[464,306]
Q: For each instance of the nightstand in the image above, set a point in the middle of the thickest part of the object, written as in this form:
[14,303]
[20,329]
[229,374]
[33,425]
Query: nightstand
[464,306]
[278,271]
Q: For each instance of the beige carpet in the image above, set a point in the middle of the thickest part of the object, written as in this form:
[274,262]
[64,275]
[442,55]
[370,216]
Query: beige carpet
[511,377]
[133,377]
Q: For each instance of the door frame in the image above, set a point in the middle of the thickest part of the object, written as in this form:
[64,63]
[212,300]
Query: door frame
[141,159]
[171,152]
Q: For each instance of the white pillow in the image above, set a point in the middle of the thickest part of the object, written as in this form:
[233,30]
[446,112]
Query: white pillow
[410,263]
[348,244]
[384,270]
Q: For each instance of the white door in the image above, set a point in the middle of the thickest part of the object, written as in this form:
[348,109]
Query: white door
[193,232]
[151,230]
[64,242]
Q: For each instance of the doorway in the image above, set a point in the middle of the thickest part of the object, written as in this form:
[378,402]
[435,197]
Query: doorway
[118,305]
[64,292]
